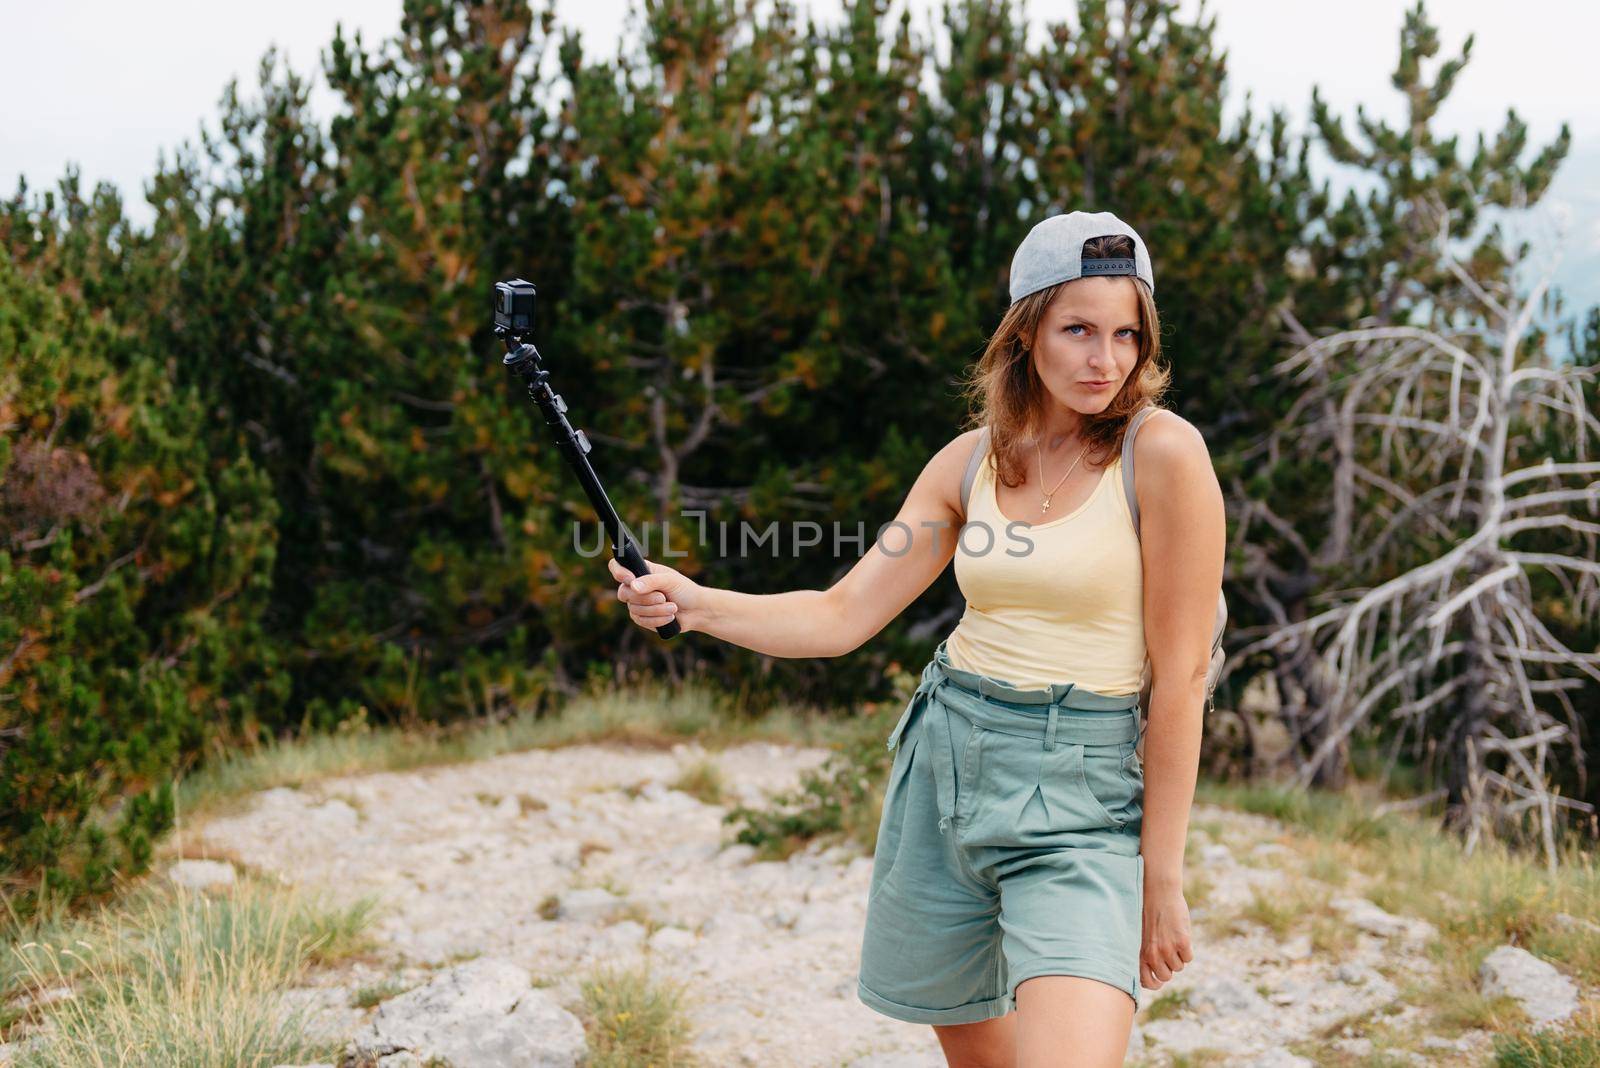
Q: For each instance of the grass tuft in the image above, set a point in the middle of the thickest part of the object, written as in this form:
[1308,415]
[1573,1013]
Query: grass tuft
[703,781]
[175,977]
[634,1019]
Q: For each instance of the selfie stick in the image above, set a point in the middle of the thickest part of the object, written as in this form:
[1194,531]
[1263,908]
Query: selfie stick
[523,358]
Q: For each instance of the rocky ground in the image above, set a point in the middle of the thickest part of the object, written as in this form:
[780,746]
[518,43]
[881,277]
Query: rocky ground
[541,865]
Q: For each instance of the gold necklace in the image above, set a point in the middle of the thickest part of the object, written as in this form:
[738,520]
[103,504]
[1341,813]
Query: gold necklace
[1063,478]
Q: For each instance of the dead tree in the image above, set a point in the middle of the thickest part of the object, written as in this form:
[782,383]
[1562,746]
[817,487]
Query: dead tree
[1429,436]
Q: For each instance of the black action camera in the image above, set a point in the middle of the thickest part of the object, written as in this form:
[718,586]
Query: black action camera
[513,307]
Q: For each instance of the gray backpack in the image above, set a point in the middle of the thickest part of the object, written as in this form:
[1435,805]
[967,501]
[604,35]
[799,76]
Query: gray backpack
[1214,670]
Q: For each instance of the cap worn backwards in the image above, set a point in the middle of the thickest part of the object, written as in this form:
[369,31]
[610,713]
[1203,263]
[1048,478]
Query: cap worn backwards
[1053,252]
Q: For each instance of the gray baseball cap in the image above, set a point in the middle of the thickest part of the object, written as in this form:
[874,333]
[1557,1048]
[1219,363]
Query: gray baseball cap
[1053,252]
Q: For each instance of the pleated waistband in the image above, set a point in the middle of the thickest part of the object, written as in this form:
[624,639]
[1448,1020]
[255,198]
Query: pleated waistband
[1064,714]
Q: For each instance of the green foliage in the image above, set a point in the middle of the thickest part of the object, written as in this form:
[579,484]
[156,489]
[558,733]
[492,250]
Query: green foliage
[827,804]
[839,800]
[133,578]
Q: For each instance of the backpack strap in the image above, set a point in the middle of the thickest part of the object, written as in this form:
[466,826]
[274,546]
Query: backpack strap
[1127,460]
[1219,621]
[972,467]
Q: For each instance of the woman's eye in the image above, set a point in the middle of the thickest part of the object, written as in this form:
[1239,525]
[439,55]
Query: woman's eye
[1125,330]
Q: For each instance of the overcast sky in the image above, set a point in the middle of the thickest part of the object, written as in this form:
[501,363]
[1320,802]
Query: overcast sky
[106,84]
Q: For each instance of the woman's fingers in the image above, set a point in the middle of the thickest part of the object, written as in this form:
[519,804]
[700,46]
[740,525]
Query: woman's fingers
[646,606]
[638,591]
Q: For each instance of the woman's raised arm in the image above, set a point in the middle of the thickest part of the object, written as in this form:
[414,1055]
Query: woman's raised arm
[903,562]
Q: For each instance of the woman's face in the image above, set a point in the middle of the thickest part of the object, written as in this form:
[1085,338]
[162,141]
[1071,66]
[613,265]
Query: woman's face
[1088,341]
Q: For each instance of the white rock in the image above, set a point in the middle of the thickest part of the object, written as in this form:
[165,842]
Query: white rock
[1279,1058]
[202,874]
[626,936]
[589,904]
[858,870]
[280,797]
[323,1012]
[826,919]
[735,855]
[1545,994]
[839,854]
[1222,996]
[732,925]
[1296,948]
[333,816]
[1354,974]
[899,1060]
[566,854]
[482,1014]
[672,940]
[1362,913]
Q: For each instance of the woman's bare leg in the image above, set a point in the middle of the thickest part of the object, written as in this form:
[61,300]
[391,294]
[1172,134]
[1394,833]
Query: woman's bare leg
[986,1044]
[1071,1020]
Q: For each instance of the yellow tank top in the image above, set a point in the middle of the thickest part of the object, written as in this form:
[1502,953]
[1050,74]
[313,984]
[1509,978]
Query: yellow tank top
[1070,610]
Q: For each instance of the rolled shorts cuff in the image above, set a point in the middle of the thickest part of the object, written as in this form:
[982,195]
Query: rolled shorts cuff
[972,1012]
[1083,967]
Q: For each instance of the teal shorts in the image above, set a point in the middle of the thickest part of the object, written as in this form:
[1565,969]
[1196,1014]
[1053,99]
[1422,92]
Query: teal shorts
[1008,847]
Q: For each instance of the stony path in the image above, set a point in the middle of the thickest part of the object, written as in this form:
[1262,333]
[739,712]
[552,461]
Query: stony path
[466,855]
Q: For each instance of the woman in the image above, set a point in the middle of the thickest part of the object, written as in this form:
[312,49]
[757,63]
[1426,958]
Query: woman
[1025,881]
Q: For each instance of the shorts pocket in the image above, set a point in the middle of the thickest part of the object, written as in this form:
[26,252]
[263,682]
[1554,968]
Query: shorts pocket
[1086,787]
[1108,780]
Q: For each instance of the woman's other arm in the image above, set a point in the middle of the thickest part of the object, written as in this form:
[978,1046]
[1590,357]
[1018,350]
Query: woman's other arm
[898,567]
[1183,534]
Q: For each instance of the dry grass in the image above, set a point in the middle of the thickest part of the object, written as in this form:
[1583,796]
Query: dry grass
[169,976]
[1284,911]
[634,1018]
[367,996]
[703,781]
[1493,896]
[654,717]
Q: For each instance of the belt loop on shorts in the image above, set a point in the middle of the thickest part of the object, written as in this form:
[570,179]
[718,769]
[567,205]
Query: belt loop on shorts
[1050,728]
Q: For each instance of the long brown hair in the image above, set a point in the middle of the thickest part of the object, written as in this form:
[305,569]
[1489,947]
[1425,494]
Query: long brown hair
[1010,398]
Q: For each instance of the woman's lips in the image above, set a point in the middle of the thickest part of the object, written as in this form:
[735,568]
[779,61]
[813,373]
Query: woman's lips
[1097,385]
